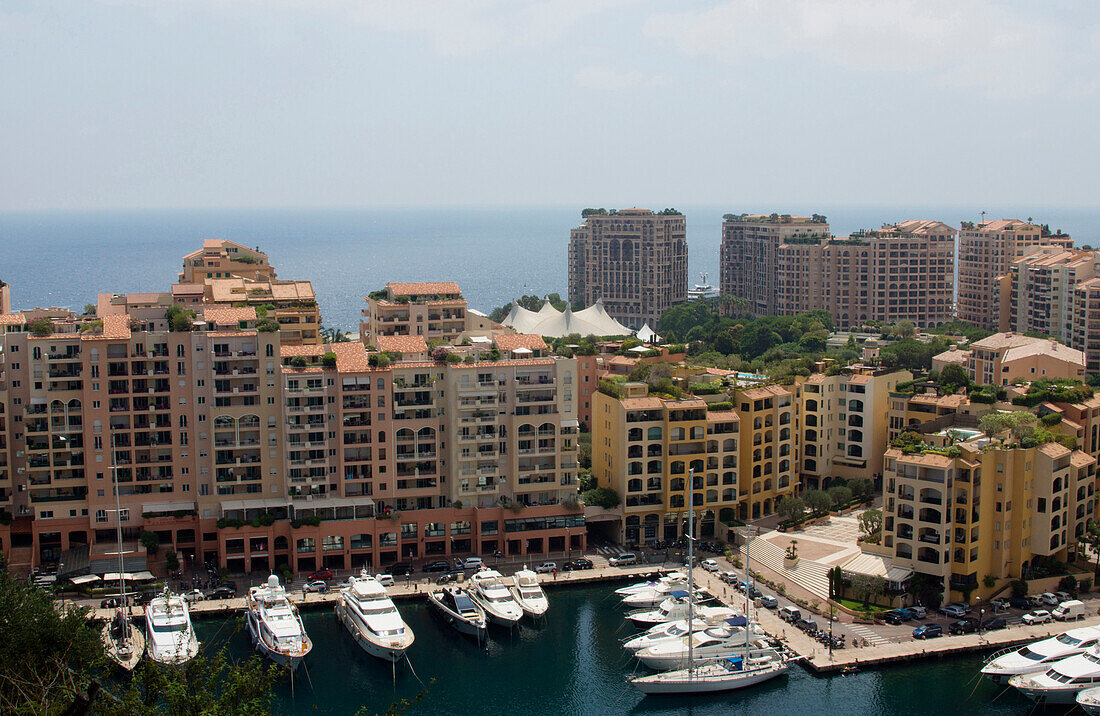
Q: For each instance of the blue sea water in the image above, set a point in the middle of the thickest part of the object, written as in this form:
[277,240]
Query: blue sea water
[66,258]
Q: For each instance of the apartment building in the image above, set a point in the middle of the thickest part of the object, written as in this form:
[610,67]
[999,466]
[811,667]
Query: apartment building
[5,299]
[768,423]
[220,258]
[910,411]
[748,262]
[1003,358]
[960,512]
[644,447]
[435,311]
[987,252]
[844,423]
[635,260]
[1041,287]
[903,271]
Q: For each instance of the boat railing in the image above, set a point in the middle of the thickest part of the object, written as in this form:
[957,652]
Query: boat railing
[1002,652]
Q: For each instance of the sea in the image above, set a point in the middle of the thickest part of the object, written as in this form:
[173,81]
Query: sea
[66,258]
[574,664]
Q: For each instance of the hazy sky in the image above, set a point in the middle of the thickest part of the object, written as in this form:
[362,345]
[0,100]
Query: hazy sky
[757,103]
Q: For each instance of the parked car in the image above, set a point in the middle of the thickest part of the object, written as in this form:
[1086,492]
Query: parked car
[440,565]
[577,564]
[1039,616]
[401,568]
[710,565]
[963,626]
[222,592]
[918,611]
[728,577]
[1019,603]
[624,559]
[111,603]
[808,625]
[473,563]
[546,568]
[1063,596]
[753,593]
[897,616]
[446,578]
[1048,599]
[927,631]
[317,585]
[195,595]
[995,623]
[790,614]
[320,574]
[386,580]
[956,609]
[769,601]
[999,605]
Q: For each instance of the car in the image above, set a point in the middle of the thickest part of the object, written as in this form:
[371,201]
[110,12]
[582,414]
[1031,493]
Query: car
[918,611]
[769,601]
[897,616]
[386,580]
[400,568]
[446,577]
[1063,596]
[221,592]
[577,564]
[111,603]
[440,565]
[320,574]
[624,559]
[1000,603]
[804,624]
[728,577]
[927,631]
[144,598]
[995,623]
[1049,599]
[1019,603]
[317,585]
[473,563]
[753,593]
[710,565]
[957,609]
[1039,616]
[790,614]
[195,595]
[963,626]
[546,568]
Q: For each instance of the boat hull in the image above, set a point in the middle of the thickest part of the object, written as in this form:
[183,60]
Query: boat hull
[127,661]
[461,625]
[677,684]
[290,661]
[367,641]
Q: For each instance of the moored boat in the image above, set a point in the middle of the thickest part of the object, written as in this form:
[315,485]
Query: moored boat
[725,675]
[370,616]
[169,634]
[461,612]
[489,591]
[704,617]
[275,626]
[1061,683]
[1089,701]
[714,642]
[673,608]
[124,643]
[677,577]
[1039,655]
[528,594]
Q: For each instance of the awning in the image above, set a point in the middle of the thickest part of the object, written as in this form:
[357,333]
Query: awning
[570,423]
[326,502]
[84,579]
[143,577]
[113,576]
[523,351]
[168,507]
[258,504]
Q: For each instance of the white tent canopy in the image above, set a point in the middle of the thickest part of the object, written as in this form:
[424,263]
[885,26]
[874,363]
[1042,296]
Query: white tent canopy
[548,321]
[648,335]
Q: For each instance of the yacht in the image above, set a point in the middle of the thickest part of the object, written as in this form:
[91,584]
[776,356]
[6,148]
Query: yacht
[491,594]
[1039,655]
[275,625]
[1089,701]
[168,630]
[676,577]
[1061,683]
[677,629]
[726,675]
[370,616]
[702,290]
[654,597]
[714,642]
[674,608]
[528,594]
[124,642]
[461,612]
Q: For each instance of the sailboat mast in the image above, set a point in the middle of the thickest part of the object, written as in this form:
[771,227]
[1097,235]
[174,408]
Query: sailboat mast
[691,570]
[748,593]
[118,527]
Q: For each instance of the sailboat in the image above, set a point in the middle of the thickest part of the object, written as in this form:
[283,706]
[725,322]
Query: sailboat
[124,644]
[728,674]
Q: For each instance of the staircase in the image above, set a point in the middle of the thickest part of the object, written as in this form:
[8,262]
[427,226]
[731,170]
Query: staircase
[811,576]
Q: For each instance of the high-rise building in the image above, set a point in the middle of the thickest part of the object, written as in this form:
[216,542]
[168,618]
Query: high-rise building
[5,299]
[635,260]
[747,259]
[1040,289]
[986,255]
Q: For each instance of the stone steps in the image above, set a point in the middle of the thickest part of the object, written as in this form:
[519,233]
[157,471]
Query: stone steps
[811,576]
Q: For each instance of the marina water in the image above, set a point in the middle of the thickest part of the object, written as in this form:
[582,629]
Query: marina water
[574,664]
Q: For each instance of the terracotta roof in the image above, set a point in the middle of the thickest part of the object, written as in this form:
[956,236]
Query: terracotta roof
[1081,458]
[143,297]
[687,403]
[292,351]
[402,344]
[230,334]
[1005,340]
[722,416]
[12,319]
[506,342]
[116,327]
[954,355]
[423,288]
[186,288]
[350,357]
[860,379]
[765,391]
[927,458]
[221,315]
[718,371]
[518,363]
[642,403]
[1053,449]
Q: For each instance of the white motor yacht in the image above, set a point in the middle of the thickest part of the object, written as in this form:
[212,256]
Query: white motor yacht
[454,604]
[656,595]
[704,617]
[491,594]
[1089,701]
[677,577]
[725,675]
[370,616]
[169,635]
[275,625]
[1061,683]
[1039,655]
[673,608]
[714,642]
[528,594]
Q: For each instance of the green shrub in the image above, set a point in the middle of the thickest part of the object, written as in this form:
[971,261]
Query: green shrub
[329,360]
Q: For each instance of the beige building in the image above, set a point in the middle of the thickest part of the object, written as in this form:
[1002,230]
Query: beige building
[219,258]
[844,423]
[768,435]
[635,260]
[5,299]
[748,261]
[959,512]
[986,254]
[1002,358]
[1041,287]
[434,311]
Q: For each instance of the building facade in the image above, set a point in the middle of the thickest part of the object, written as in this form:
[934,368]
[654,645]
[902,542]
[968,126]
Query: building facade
[635,260]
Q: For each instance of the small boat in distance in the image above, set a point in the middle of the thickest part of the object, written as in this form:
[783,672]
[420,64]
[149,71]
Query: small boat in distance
[370,616]
[678,578]
[275,626]
[168,630]
[528,594]
[461,612]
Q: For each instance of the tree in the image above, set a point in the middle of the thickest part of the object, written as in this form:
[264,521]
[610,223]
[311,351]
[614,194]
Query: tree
[791,507]
[817,501]
[867,587]
[604,497]
[1019,422]
[862,488]
[1091,538]
[840,496]
[836,583]
[870,524]
[40,327]
[171,561]
[329,360]
[951,378]
[90,309]
[906,328]
[150,541]
[179,318]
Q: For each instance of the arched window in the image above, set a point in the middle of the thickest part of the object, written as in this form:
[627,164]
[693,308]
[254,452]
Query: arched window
[654,433]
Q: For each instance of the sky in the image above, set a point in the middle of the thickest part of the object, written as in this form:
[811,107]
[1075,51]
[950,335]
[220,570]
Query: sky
[315,103]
